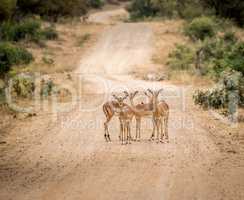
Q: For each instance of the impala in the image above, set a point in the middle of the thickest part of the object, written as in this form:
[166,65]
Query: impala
[160,116]
[140,110]
[110,109]
[126,114]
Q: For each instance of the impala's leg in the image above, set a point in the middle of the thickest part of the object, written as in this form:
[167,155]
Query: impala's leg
[122,133]
[162,125]
[153,132]
[158,127]
[121,129]
[166,127]
[106,134]
[129,133]
[139,129]
[106,131]
[136,128]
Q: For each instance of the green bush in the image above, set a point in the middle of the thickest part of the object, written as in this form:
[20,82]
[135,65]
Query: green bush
[49,33]
[230,37]
[7,31]
[7,8]
[224,53]
[29,29]
[47,87]
[181,58]
[187,9]
[230,9]
[201,28]
[11,55]
[214,51]
[23,85]
[95,3]
[165,8]
[142,8]
[2,92]
[221,96]
[212,56]
[235,59]
[54,8]
[12,31]
[211,98]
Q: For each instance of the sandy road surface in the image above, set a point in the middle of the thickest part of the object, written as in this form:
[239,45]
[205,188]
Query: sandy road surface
[70,159]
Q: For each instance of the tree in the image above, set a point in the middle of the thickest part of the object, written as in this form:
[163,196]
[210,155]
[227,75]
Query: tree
[53,8]
[7,8]
[233,9]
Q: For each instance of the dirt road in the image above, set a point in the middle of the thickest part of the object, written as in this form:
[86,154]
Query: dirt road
[69,158]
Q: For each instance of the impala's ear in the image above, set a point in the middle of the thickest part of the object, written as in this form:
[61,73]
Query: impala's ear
[149,90]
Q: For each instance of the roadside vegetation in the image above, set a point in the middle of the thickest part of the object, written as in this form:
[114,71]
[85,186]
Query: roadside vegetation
[27,29]
[213,51]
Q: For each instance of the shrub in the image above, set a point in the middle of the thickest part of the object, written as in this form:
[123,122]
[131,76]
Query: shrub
[221,96]
[56,8]
[49,33]
[224,53]
[201,28]
[212,56]
[165,7]
[215,98]
[231,9]
[48,60]
[83,39]
[2,92]
[181,58]
[214,50]
[7,8]
[230,37]
[12,31]
[52,9]
[95,3]
[187,9]
[11,55]
[142,8]
[47,87]
[7,31]
[23,85]
[235,59]
[27,29]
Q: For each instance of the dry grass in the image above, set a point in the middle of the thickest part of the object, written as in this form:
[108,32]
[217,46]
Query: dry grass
[167,34]
[65,53]
[57,58]
[186,78]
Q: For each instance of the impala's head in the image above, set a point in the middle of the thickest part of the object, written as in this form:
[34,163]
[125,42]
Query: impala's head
[153,95]
[131,95]
[120,99]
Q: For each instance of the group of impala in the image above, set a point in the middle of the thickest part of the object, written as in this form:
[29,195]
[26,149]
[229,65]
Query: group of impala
[155,108]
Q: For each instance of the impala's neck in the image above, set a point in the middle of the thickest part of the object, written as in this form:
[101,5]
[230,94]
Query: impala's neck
[155,103]
[132,102]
